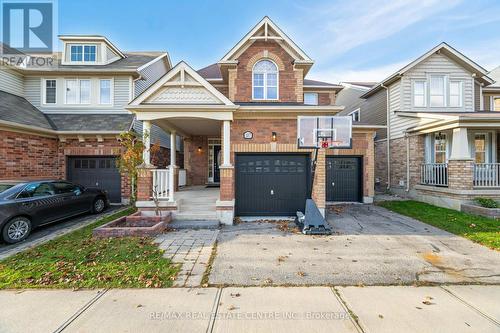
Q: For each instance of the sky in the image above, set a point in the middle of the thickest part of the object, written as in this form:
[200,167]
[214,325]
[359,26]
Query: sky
[351,40]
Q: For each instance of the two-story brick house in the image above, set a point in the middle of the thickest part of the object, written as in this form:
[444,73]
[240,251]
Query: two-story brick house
[238,118]
[441,142]
[62,120]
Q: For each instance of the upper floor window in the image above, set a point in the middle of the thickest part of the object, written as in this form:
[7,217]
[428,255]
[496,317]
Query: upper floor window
[495,103]
[265,80]
[419,94]
[83,53]
[50,92]
[311,98]
[77,91]
[456,93]
[437,91]
[355,115]
[105,91]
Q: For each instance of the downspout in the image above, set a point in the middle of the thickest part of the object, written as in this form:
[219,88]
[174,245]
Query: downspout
[388,137]
[407,162]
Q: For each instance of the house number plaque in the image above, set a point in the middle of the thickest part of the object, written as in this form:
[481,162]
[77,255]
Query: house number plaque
[248,135]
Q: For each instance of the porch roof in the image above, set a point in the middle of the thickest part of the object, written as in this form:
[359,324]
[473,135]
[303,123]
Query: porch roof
[449,120]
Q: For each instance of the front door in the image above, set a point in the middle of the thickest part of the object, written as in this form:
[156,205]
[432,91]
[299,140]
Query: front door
[217,159]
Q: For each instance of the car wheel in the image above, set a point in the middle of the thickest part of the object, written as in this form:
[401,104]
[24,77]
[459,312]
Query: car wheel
[16,230]
[98,206]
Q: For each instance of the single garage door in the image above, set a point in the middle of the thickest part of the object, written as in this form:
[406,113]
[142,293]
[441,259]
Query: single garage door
[343,179]
[100,172]
[271,184]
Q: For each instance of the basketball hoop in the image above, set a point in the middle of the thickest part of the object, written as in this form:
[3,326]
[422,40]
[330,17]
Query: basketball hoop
[327,132]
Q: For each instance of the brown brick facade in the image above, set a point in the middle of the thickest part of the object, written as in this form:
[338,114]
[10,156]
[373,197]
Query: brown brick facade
[381,165]
[461,174]
[398,151]
[196,161]
[26,156]
[290,83]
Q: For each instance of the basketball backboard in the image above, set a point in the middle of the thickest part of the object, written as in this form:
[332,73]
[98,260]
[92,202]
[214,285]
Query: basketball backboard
[324,132]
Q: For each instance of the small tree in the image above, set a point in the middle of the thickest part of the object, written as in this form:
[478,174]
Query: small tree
[131,158]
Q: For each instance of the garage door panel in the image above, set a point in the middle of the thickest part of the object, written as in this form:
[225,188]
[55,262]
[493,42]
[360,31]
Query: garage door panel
[343,179]
[101,172]
[271,184]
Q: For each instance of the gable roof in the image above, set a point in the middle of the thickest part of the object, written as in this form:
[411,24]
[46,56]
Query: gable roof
[448,51]
[79,38]
[211,72]
[181,68]
[495,75]
[266,29]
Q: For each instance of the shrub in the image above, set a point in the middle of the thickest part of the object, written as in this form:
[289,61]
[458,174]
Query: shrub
[486,202]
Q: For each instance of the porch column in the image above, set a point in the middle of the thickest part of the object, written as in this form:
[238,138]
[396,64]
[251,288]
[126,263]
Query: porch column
[171,174]
[460,164]
[146,139]
[226,132]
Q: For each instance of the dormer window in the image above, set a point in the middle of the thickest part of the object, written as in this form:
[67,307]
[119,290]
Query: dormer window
[265,80]
[83,53]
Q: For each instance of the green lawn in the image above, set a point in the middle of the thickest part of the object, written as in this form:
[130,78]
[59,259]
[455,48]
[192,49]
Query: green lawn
[479,229]
[77,260]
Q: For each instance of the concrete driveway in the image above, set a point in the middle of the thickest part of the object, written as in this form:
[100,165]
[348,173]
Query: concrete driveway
[372,246]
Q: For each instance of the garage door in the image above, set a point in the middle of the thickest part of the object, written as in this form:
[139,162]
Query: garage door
[271,184]
[343,175]
[100,172]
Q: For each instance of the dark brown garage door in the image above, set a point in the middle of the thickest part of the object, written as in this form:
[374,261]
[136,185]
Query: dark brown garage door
[271,184]
[100,172]
[343,179]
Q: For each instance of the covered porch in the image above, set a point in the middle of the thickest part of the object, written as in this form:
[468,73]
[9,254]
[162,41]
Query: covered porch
[183,104]
[461,158]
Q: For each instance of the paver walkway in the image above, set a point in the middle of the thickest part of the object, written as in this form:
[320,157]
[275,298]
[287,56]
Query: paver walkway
[192,249]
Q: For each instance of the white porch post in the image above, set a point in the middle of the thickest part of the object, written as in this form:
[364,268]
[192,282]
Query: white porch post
[171,174]
[146,139]
[460,145]
[227,144]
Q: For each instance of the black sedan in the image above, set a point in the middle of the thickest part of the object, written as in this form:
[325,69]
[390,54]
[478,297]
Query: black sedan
[27,205]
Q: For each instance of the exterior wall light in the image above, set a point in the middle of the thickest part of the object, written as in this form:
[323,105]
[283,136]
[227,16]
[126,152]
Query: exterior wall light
[200,149]
[274,137]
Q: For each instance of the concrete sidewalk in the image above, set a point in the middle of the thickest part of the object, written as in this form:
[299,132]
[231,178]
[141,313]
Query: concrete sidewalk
[255,309]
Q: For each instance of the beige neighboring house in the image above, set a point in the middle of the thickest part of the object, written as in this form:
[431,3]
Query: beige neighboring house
[442,141]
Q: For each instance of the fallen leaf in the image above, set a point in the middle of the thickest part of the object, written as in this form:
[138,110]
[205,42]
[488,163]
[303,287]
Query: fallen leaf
[380,316]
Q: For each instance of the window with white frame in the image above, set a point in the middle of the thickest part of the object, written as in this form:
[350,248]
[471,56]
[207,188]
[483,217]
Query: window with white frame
[495,103]
[419,93]
[83,53]
[265,80]
[440,148]
[50,91]
[437,91]
[77,91]
[311,98]
[456,93]
[480,147]
[355,115]
[105,91]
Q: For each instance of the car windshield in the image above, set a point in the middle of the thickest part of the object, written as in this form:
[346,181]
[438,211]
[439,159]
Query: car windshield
[4,187]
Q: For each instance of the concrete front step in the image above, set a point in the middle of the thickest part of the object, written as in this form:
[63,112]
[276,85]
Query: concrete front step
[203,215]
[194,224]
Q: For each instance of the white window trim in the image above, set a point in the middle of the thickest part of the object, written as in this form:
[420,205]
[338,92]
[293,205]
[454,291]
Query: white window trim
[311,93]
[488,146]
[413,93]
[492,103]
[461,84]
[447,147]
[265,82]
[358,111]
[445,90]
[111,93]
[83,62]
[44,91]
[79,91]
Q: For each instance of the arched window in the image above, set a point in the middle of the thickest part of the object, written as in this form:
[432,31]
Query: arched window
[265,80]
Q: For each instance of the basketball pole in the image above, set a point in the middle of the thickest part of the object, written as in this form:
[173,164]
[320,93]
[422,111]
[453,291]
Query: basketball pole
[313,172]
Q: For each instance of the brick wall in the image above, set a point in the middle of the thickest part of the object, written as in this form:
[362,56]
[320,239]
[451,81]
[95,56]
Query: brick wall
[196,162]
[398,160]
[286,130]
[461,174]
[381,165]
[326,98]
[290,83]
[27,156]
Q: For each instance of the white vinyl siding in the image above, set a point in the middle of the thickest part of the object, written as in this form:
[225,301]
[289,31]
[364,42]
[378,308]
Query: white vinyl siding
[11,82]
[120,95]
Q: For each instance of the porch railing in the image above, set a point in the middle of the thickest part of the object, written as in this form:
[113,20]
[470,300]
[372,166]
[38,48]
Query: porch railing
[160,183]
[435,174]
[487,174]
